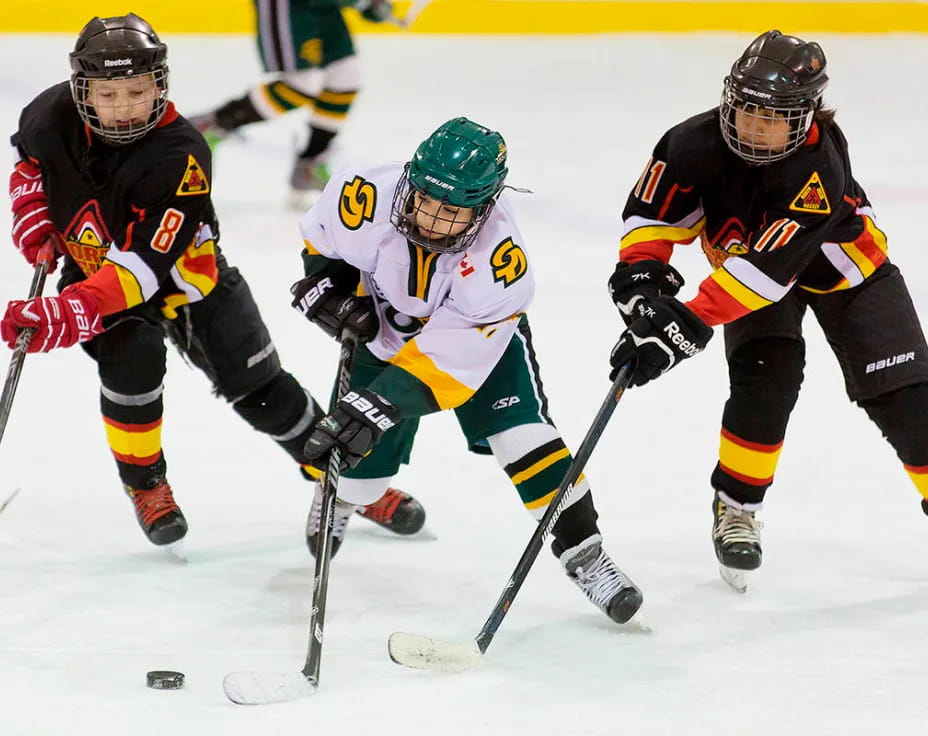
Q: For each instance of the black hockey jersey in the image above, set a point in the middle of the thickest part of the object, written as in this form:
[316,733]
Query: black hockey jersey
[802,221]
[136,221]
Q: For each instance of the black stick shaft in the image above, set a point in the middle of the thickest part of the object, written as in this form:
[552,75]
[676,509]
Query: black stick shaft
[554,509]
[324,550]
[22,342]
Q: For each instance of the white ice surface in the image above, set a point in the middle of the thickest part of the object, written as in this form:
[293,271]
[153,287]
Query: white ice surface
[831,636]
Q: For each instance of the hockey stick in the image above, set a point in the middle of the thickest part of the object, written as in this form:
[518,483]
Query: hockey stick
[422,652]
[262,688]
[415,10]
[43,261]
[9,499]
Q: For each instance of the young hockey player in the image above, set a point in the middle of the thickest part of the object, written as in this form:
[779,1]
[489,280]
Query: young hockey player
[308,49]
[110,172]
[434,246]
[765,181]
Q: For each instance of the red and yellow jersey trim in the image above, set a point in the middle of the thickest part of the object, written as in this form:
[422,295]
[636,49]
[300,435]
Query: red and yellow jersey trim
[646,239]
[856,260]
[733,290]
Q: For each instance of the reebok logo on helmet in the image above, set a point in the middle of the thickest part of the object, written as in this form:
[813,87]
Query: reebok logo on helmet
[117,62]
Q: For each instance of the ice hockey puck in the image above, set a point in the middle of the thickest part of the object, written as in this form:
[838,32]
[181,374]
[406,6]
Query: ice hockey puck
[165,679]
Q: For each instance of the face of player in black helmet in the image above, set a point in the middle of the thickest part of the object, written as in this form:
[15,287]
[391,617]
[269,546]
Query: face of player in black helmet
[120,79]
[770,97]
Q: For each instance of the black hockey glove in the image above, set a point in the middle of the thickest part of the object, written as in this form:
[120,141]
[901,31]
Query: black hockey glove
[635,284]
[665,333]
[334,308]
[375,10]
[358,422]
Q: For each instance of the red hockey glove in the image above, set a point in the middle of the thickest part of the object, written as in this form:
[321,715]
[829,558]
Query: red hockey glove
[58,321]
[31,221]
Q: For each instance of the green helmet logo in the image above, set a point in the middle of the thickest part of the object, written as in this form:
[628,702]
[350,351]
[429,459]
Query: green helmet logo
[462,163]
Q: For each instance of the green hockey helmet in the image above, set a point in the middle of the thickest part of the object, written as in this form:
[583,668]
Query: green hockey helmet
[462,164]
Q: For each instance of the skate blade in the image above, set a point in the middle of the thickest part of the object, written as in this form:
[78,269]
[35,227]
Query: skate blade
[177,551]
[737,580]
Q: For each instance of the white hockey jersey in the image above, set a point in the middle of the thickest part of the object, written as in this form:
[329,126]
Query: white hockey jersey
[447,318]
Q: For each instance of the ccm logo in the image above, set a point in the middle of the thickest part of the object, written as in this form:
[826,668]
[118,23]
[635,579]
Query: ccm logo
[687,347]
[889,362]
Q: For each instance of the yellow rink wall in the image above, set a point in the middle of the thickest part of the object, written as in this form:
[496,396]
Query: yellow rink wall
[500,16]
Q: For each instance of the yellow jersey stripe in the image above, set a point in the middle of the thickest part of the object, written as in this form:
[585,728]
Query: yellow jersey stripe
[738,291]
[661,232]
[447,390]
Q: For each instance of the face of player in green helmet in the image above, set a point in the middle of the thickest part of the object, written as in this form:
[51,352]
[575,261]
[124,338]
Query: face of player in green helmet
[450,186]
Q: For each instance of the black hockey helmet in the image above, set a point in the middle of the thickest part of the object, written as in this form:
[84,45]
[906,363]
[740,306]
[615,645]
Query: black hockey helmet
[120,47]
[780,77]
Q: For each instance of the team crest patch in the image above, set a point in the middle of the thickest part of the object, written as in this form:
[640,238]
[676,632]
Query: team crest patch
[194,181]
[812,197]
[86,238]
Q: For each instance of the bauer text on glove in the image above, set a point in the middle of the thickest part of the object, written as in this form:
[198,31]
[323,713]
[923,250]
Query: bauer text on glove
[354,427]
[332,307]
[57,321]
[32,224]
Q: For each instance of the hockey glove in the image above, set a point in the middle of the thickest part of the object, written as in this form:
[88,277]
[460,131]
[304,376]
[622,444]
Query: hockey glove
[376,11]
[635,284]
[58,321]
[665,333]
[31,221]
[320,299]
[358,422]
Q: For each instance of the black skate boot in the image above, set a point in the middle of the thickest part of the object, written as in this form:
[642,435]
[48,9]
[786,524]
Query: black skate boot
[601,581]
[736,533]
[159,516]
[343,512]
[397,511]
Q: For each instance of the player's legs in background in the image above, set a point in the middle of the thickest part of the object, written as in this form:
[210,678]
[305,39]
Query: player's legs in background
[331,54]
[508,416]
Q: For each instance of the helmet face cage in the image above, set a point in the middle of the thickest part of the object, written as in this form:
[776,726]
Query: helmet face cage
[405,213]
[756,116]
[81,92]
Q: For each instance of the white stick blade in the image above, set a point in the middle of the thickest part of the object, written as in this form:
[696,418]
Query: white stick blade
[262,688]
[421,652]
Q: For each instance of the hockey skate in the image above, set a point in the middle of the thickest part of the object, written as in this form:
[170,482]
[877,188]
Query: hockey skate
[736,538]
[159,516]
[397,511]
[601,581]
[307,180]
